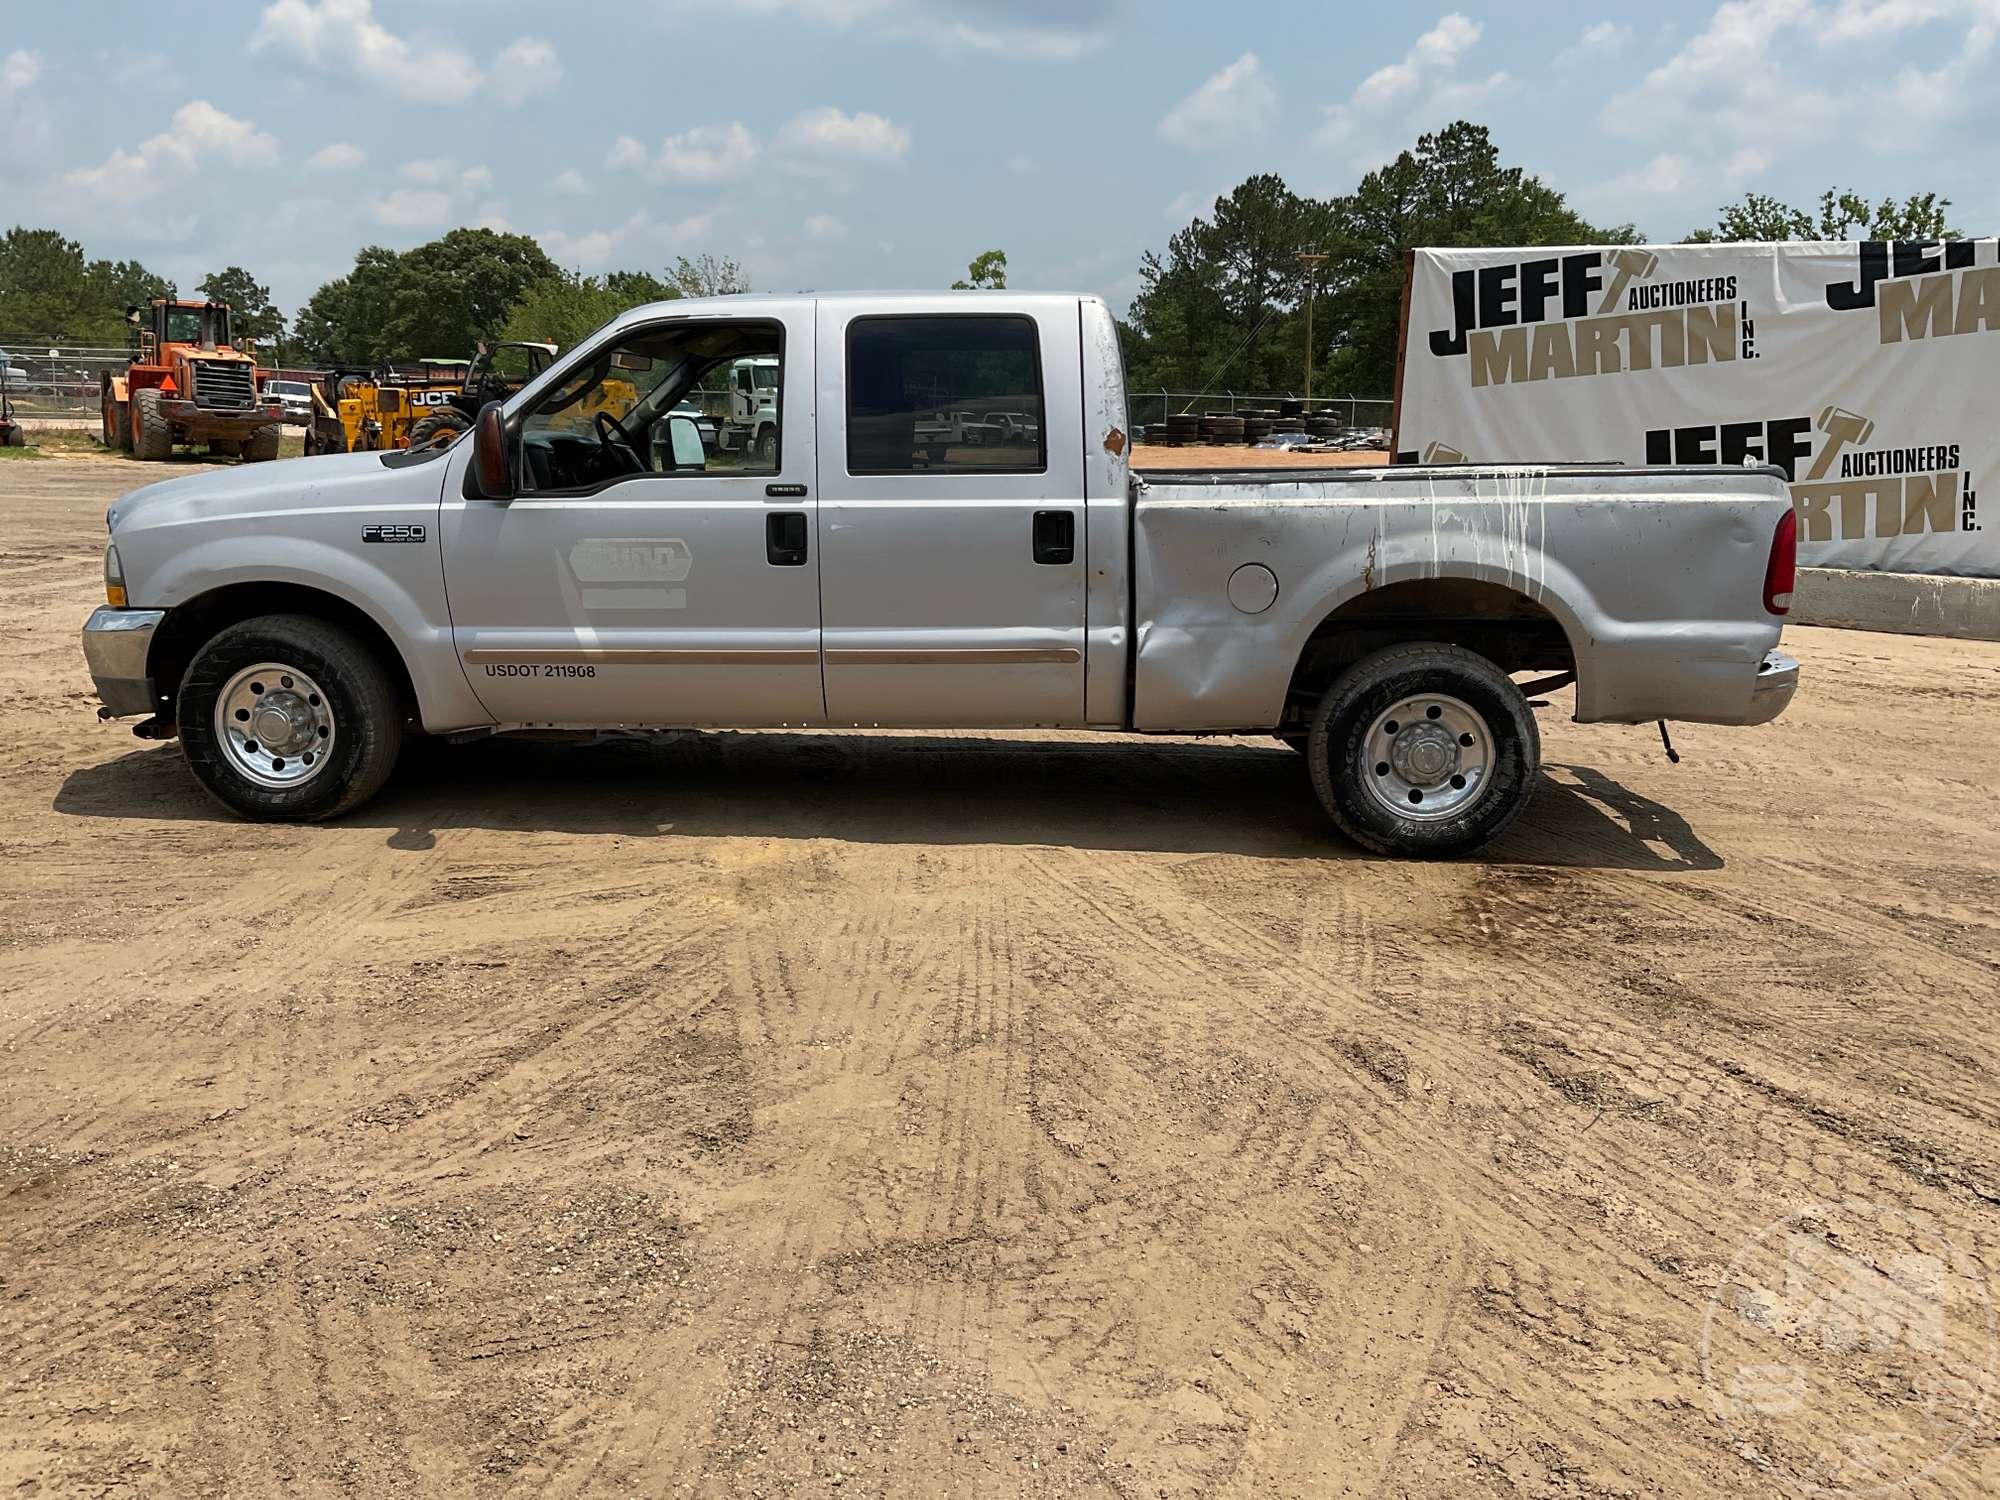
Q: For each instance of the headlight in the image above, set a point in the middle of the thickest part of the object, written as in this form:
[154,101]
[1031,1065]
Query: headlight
[114,577]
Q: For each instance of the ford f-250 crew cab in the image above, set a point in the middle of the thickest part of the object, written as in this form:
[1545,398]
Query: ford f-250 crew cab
[580,561]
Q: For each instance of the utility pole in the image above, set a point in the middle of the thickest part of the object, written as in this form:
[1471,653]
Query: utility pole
[1311,260]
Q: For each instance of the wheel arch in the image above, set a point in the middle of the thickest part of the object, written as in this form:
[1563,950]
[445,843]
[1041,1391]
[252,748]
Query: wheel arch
[190,624]
[1516,632]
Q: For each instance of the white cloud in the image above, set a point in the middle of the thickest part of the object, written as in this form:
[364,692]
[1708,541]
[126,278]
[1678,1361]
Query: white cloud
[828,133]
[1422,88]
[1437,51]
[639,237]
[1874,20]
[704,154]
[1728,86]
[27,123]
[947,26]
[1928,96]
[707,153]
[1603,40]
[19,70]
[1605,36]
[571,182]
[834,12]
[343,37]
[1188,205]
[526,68]
[825,227]
[413,208]
[1022,165]
[337,156]
[443,192]
[1237,102]
[199,132]
[625,153]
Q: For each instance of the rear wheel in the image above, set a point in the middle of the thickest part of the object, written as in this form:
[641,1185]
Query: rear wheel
[437,429]
[289,717]
[262,445]
[152,433]
[765,450]
[1423,750]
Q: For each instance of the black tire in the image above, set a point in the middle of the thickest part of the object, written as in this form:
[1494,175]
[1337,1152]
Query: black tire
[359,693]
[438,427]
[226,448]
[152,433]
[765,449]
[1377,683]
[262,445]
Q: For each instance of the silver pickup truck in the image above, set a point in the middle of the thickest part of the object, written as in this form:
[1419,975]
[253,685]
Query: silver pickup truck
[581,561]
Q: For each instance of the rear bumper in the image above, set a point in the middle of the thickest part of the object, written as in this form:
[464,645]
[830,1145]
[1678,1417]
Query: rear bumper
[1777,680]
[116,644]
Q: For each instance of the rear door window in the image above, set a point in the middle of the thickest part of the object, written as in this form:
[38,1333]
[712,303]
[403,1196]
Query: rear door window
[948,394]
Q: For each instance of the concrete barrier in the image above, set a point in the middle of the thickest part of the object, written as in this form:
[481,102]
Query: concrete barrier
[1902,603]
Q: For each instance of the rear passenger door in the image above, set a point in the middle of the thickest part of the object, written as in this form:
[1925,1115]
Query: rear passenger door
[951,514]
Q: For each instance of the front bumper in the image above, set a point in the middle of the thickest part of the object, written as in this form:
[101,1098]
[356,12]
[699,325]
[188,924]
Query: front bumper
[116,643]
[1777,680]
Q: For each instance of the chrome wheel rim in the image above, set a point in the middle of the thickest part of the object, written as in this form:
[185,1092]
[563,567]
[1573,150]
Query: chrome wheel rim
[274,724]
[1427,757]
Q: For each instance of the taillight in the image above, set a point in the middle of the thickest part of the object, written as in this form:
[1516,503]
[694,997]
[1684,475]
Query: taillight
[1781,572]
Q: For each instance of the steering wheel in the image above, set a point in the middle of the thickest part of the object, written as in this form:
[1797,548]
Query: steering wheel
[614,441]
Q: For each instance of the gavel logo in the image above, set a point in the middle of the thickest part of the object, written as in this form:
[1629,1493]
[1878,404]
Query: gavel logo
[1841,428]
[1628,264]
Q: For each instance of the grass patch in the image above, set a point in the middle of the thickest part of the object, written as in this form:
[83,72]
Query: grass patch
[82,442]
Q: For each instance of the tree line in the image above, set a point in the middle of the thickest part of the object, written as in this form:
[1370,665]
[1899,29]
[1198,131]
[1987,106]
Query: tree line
[1223,306]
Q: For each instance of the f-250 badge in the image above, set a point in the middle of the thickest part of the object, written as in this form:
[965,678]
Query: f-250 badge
[392,533]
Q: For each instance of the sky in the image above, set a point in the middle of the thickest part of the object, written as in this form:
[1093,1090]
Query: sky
[830,144]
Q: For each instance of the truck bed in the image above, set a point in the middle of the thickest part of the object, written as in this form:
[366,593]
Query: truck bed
[1653,576]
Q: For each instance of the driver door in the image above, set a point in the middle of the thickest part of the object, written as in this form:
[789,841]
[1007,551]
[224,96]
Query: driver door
[620,588]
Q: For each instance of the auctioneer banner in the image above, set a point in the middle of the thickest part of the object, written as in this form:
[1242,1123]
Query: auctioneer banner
[1869,372]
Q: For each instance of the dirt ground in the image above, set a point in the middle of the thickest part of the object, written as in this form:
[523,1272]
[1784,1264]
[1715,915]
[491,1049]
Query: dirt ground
[764,1114]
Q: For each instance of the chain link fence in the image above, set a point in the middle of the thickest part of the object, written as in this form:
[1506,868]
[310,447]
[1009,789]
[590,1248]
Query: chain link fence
[51,380]
[1152,408]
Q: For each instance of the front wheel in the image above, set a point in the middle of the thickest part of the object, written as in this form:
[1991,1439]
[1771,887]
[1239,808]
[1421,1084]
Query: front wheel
[1423,750]
[262,445]
[289,717]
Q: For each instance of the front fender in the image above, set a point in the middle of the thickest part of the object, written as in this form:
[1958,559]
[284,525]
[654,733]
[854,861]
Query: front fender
[413,620]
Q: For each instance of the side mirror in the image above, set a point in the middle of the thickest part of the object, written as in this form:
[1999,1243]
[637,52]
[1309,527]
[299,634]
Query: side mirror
[491,463]
[684,443]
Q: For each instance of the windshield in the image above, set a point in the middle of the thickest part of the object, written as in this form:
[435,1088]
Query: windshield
[285,387]
[184,325]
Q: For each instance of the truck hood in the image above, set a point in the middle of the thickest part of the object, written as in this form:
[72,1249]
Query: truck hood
[328,481]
